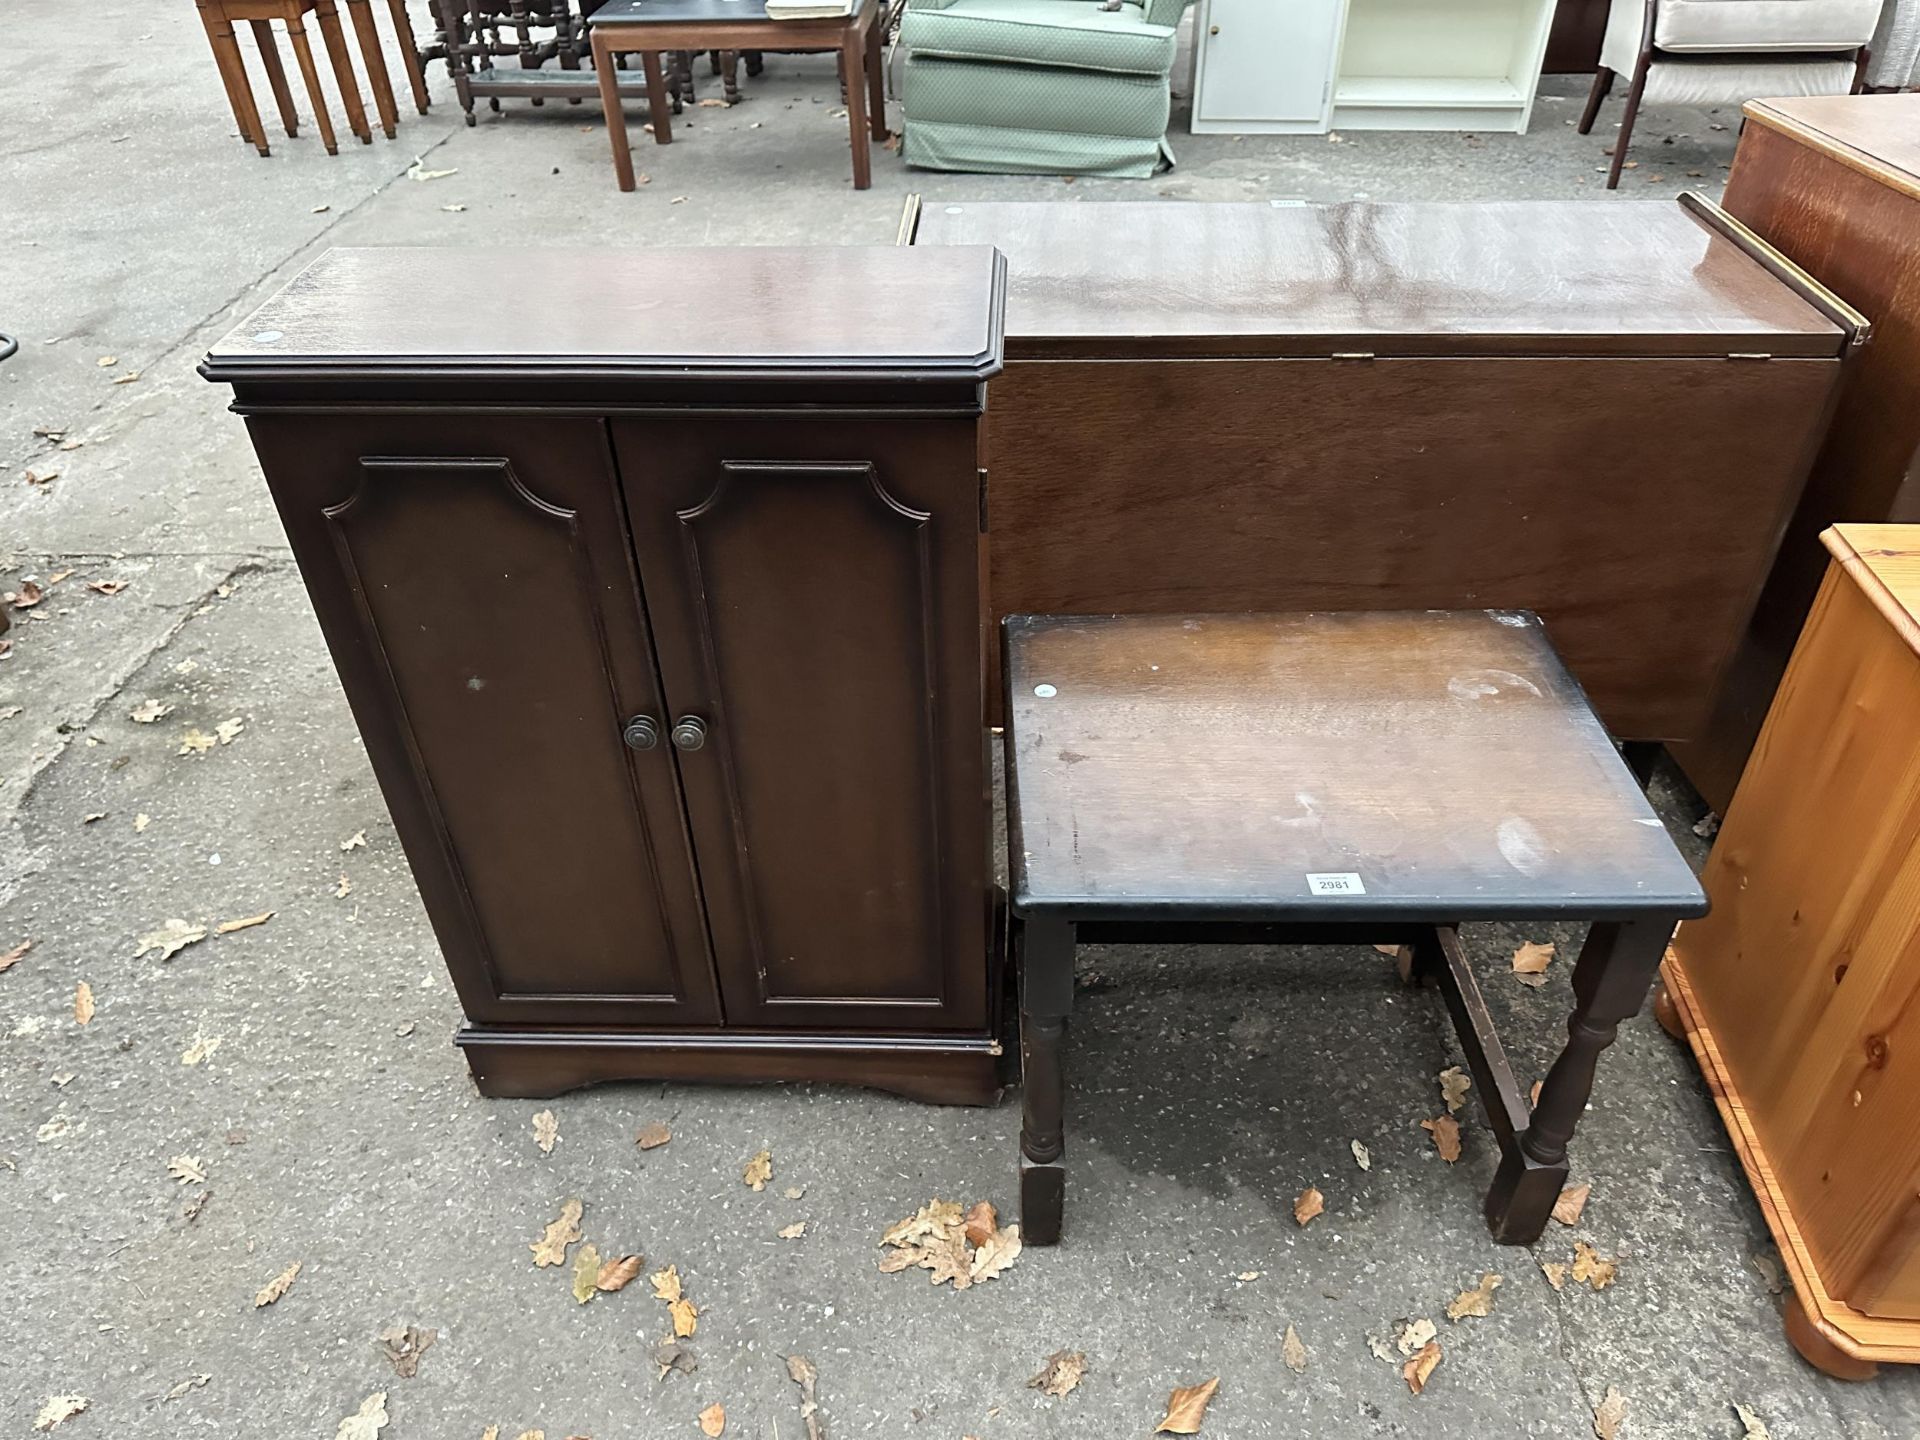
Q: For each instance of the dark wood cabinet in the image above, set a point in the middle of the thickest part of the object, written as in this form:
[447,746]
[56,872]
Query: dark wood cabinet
[669,665]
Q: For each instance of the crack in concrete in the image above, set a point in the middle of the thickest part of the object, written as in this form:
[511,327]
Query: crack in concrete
[17,863]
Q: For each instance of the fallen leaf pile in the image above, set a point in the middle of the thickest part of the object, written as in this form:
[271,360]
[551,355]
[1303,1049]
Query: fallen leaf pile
[962,1247]
[1064,1370]
[1590,1267]
[685,1314]
[1186,1408]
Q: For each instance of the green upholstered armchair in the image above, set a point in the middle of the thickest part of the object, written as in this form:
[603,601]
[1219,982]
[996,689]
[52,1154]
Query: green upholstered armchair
[1041,87]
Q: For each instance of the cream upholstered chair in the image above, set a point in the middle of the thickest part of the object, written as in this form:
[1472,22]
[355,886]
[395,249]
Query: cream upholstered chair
[1725,52]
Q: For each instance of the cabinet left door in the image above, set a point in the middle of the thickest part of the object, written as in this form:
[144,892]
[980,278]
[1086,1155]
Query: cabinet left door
[475,583]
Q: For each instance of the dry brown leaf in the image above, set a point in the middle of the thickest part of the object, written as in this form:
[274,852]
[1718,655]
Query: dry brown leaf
[1530,963]
[1556,1273]
[670,1355]
[190,1211]
[652,1137]
[617,1272]
[277,1286]
[901,1257]
[226,730]
[170,939]
[11,958]
[182,1387]
[1610,1415]
[686,1318]
[546,1131]
[551,1247]
[793,1231]
[367,1422]
[993,1258]
[196,742]
[800,1370]
[1477,1301]
[947,1259]
[27,596]
[709,103]
[355,841]
[343,889]
[1418,1370]
[187,1169]
[1412,1335]
[1454,1085]
[1446,1136]
[108,587]
[1362,1156]
[936,1218]
[758,1171]
[1751,1425]
[981,1222]
[1533,1092]
[666,1284]
[713,1419]
[1186,1408]
[1064,1370]
[148,711]
[227,927]
[82,1003]
[1309,1204]
[141,821]
[404,1345]
[586,1272]
[1572,1201]
[1293,1351]
[58,1408]
[1590,1267]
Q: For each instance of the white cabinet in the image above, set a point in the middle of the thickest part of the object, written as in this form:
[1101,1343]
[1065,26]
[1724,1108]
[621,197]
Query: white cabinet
[1305,66]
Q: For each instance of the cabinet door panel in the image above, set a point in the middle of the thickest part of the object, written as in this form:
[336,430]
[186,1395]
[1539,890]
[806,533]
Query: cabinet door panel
[1269,62]
[475,585]
[820,612]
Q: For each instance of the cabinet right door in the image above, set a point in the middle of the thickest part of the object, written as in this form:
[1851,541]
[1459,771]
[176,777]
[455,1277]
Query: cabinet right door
[1268,63]
[813,587]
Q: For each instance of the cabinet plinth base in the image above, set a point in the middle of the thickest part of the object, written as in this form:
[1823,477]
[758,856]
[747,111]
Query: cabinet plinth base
[532,1064]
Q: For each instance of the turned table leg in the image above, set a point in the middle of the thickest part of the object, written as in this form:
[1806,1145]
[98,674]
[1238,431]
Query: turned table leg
[1046,997]
[1610,982]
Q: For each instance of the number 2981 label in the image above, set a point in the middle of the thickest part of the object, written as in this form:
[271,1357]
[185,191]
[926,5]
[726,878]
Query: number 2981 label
[1344,884]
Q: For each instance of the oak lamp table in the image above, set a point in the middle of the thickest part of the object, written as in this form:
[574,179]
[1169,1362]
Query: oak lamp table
[653,26]
[1797,994]
[1331,778]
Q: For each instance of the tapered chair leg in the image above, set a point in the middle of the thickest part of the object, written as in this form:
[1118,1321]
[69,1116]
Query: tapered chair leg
[276,75]
[303,54]
[335,36]
[409,53]
[233,75]
[361,13]
[1627,117]
[1602,87]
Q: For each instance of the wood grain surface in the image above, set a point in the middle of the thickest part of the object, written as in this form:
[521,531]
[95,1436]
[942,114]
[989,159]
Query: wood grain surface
[1286,279]
[1209,765]
[1806,974]
[863,308]
[1843,202]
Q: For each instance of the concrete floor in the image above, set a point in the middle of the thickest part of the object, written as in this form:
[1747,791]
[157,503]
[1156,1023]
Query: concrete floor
[337,1126]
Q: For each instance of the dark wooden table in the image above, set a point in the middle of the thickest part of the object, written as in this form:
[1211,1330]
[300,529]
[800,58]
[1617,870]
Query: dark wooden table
[1604,414]
[650,27]
[1328,778]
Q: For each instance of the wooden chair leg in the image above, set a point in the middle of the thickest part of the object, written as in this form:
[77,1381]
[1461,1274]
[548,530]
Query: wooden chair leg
[361,12]
[1046,997]
[730,75]
[233,74]
[335,38]
[607,76]
[1602,87]
[303,54]
[276,75]
[1627,117]
[409,53]
[852,55]
[1611,978]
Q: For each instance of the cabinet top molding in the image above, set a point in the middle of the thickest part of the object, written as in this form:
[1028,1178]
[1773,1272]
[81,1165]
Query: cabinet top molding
[689,316]
[1279,278]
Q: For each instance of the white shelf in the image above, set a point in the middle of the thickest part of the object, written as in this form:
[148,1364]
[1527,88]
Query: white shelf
[1452,92]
